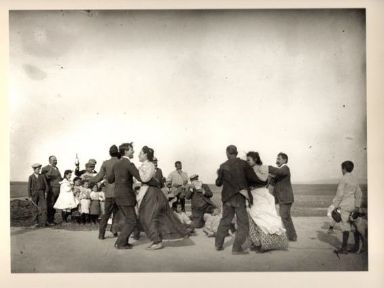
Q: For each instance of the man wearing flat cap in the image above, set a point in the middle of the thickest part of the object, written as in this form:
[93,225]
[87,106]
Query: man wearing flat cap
[37,192]
[53,176]
[199,194]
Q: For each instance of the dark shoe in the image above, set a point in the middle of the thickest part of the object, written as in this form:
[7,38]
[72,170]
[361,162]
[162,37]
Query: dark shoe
[341,251]
[257,249]
[136,236]
[126,246]
[115,234]
[101,237]
[239,252]
[353,250]
[331,231]
[356,247]
[220,248]
[293,239]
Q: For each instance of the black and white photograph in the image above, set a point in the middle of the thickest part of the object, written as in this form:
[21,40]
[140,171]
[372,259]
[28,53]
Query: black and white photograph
[215,140]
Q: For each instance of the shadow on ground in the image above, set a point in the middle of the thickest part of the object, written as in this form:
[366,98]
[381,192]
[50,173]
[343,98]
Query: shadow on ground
[331,239]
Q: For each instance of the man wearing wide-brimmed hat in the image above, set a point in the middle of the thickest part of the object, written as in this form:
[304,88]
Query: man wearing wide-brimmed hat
[89,169]
[37,192]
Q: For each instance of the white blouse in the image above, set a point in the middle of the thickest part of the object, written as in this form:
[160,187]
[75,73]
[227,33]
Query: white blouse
[146,172]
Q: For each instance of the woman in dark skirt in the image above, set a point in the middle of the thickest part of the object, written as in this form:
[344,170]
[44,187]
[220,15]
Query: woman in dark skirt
[156,217]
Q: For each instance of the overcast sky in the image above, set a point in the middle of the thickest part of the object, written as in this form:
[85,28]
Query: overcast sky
[189,83]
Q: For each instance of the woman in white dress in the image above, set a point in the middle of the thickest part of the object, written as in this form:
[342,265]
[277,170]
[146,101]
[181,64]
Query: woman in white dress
[66,200]
[156,217]
[266,229]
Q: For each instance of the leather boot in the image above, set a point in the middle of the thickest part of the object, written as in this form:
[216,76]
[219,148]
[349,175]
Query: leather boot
[357,243]
[343,249]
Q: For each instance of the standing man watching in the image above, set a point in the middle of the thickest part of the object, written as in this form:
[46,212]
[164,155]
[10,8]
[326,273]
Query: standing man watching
[158,173]
[37,192]
[283,193]
[109,191]
[53,177]
[178,181]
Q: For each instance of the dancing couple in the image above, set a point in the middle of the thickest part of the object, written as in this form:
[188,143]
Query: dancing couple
[154,214]
[246,181]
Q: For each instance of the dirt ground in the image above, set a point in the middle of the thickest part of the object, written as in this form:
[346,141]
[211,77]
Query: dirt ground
[60,250]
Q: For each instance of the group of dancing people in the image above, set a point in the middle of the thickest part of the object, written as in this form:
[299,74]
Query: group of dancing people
[135,200]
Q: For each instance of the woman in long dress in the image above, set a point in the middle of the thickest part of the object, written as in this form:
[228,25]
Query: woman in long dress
[155,215]
[266,230]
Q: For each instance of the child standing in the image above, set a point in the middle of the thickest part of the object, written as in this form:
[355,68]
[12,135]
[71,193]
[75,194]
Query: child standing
[66,200]
[348,199]
[77,187]
[85,201]
[94,208]
[102,203]
[76,215]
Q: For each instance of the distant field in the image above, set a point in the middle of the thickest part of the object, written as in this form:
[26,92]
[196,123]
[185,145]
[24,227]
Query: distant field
[310,199]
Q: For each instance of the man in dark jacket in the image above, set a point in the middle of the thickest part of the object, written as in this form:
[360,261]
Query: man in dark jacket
[236,176]
[37,192]
[89,168]
[200,195]
[283,193]
[53,177]
[122,174]
[159,174]
[109,191]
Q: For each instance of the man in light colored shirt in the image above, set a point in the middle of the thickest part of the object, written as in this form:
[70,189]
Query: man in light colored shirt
[348,199]
[178,181]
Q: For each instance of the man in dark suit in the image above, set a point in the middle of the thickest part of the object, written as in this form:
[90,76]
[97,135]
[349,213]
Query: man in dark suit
[109,191]
[236,176]
[283,193]
[89,167]
[53,177]
[122,174]
[37,192]
[159,174]
[200,195]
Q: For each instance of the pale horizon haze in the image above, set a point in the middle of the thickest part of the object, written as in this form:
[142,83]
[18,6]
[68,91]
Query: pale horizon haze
[189,83]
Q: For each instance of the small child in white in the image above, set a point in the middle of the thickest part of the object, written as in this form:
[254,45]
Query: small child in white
[85,201]
[94,207]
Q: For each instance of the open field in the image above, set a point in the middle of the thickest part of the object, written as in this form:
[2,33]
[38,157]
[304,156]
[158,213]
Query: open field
[310,199]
